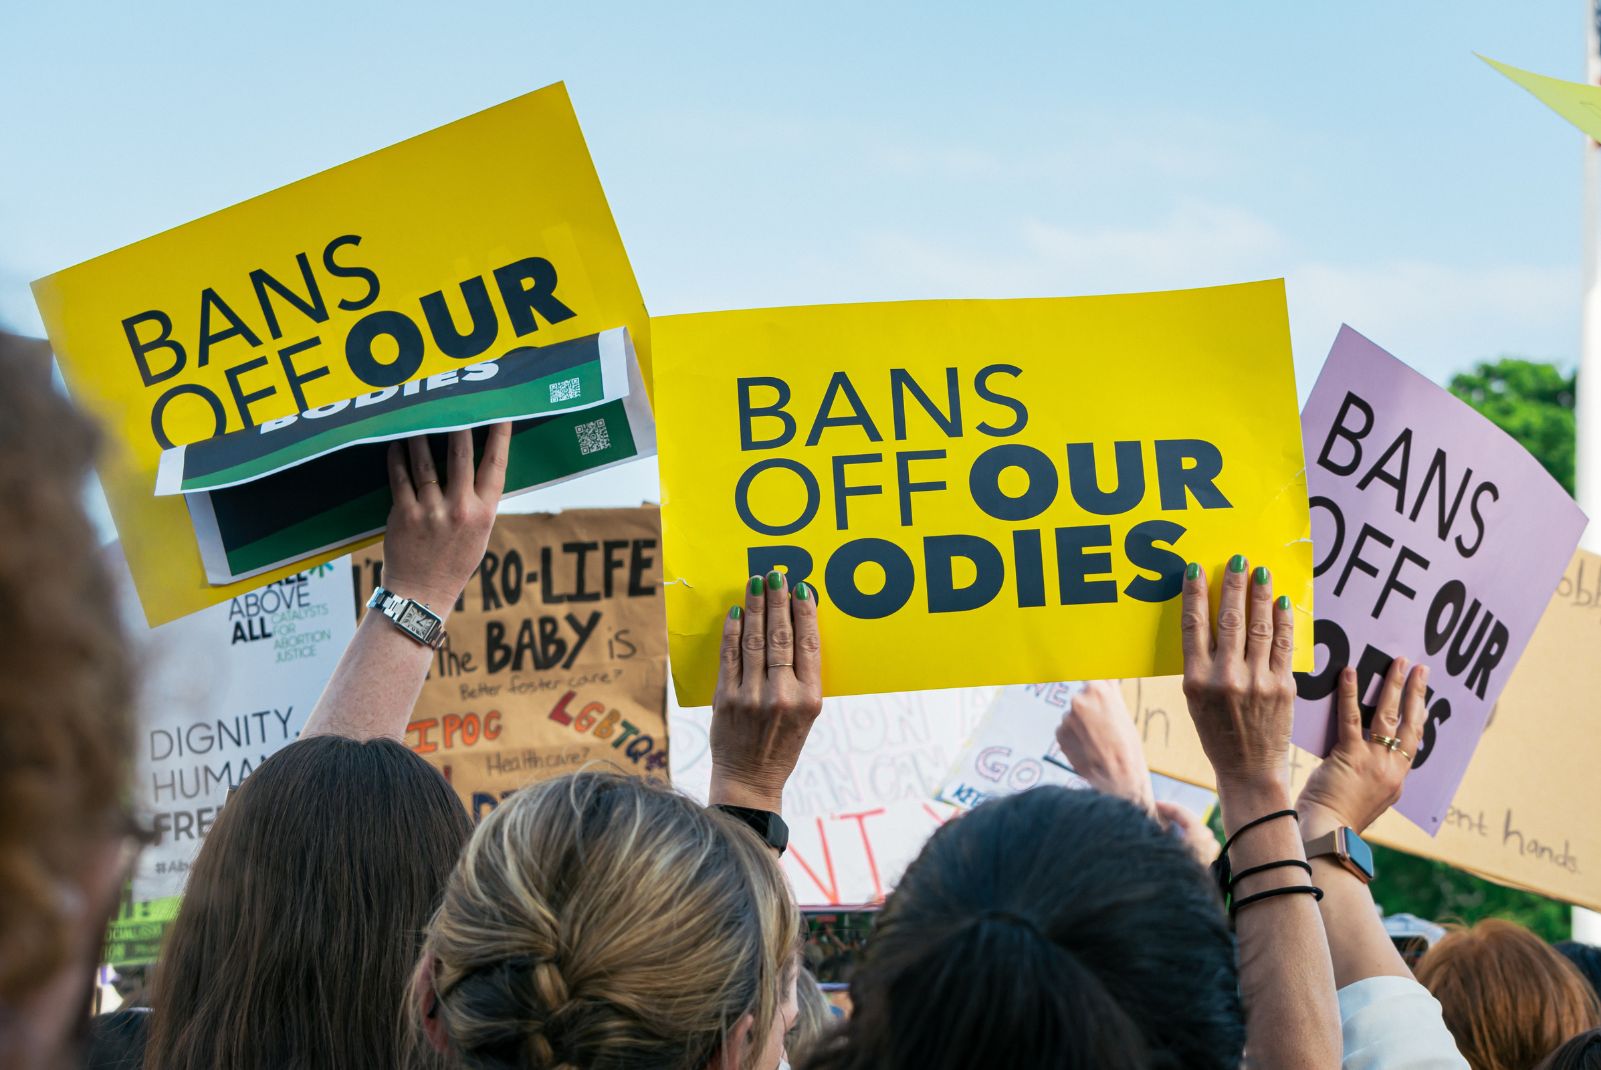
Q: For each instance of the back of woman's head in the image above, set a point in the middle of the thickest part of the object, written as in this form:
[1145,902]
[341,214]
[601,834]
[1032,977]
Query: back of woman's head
[1583,1052]
[596,921]
[1585,957]
[1055,928]
[304,912]
[1509,998]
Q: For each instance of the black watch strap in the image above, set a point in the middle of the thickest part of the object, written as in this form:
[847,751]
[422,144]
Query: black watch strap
[766,824]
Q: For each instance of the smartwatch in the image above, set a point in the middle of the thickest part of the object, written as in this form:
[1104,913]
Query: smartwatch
[766,824]
[413,618]
[1346,847]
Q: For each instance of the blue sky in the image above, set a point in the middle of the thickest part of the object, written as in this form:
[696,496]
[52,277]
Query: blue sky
[766,154]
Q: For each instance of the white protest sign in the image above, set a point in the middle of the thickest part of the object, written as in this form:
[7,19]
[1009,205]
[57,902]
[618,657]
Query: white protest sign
[220,691]
[861,801]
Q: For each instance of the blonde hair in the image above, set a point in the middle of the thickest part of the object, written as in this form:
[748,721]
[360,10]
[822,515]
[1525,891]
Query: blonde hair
[597,921]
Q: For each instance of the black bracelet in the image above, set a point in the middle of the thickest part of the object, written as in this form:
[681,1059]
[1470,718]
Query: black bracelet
[1249,825]
[1265,866]
[1293,889]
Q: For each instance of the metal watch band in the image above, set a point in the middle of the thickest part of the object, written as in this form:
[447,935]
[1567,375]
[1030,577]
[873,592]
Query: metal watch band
[415,619]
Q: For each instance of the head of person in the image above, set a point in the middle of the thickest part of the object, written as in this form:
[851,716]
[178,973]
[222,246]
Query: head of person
[1586,958]
[304,912]
[597,921]
[1509,998]
[66,726]
[1051,928]
[1582,1052]
[814,1019]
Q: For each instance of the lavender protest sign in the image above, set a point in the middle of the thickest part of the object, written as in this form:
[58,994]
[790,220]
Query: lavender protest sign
[1437,538]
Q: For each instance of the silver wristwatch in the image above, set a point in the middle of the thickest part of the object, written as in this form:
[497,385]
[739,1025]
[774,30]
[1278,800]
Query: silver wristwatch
[413,618]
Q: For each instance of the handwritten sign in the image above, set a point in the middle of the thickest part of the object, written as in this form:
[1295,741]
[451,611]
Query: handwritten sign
[555,655]
[861,801]
[1438,537]
[982,491]
[448,249]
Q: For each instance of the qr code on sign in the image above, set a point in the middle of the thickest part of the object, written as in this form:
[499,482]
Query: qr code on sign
[592,437]
[566,390]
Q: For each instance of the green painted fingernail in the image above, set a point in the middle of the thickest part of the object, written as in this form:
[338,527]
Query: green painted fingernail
[756,585]
[775,580]
[1192,571]
[1237,563]
[1260,574]
[801,592]
[735,613]
[1284,602]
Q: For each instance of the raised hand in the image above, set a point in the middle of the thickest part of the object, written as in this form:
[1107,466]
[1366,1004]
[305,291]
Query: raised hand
[1098,736]
[1362,776]
[769,691]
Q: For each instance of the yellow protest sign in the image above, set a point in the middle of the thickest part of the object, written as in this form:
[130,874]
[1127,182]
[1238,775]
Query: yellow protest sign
[454,246]
[982,491]
[1523,813]
[1576,102]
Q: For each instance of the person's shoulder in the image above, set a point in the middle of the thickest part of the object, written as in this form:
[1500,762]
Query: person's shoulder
[116,1041]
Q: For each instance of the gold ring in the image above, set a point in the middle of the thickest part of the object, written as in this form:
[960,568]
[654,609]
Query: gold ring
[425,482]
[1389,743]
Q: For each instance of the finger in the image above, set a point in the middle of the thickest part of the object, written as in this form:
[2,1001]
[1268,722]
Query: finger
[1347,711]
[1172,813]
[1260,626]
[459,464]
[1387,714]
[1195,625]
[423,475]
[1231,612]
[1414,709]
[780,626]
[491,481]
[400,476]
[1283,656]
[728,659]
[753,641]
[808,638]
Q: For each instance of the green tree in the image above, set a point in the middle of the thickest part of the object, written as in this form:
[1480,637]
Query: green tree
[1533,402]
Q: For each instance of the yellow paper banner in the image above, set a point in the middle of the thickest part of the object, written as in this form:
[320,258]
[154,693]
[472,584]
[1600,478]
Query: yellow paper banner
[983,491]
[1576,102]
[456,245]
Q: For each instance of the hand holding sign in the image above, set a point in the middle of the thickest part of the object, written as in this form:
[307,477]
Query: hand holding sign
[769,691]
[1238,683]
[1362,777]
[1101,743]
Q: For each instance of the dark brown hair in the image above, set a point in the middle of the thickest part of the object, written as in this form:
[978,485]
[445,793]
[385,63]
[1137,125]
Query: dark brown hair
[1509,997]
[305,911]
[65,714]
[1051,928]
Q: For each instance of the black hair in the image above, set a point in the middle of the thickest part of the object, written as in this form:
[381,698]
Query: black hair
[1055,928]
[1586,957]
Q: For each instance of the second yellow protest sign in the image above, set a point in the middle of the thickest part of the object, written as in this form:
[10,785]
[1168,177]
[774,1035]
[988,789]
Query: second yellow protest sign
[408,264]
[982,491]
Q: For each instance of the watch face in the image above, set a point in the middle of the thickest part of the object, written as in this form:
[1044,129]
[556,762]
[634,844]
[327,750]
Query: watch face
[1361,854]
[418,621]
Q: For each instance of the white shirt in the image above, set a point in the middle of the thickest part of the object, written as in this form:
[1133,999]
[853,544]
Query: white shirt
[1392,1023]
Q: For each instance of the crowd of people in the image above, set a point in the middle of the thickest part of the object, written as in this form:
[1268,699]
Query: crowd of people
[344,913]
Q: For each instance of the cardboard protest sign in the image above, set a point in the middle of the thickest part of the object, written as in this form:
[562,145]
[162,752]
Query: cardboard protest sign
[555,655]
[1014,748]
[452,248]
[1438,537]
[295,487]
[220,692]
[981,491]
[1578,103]
[861,801]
